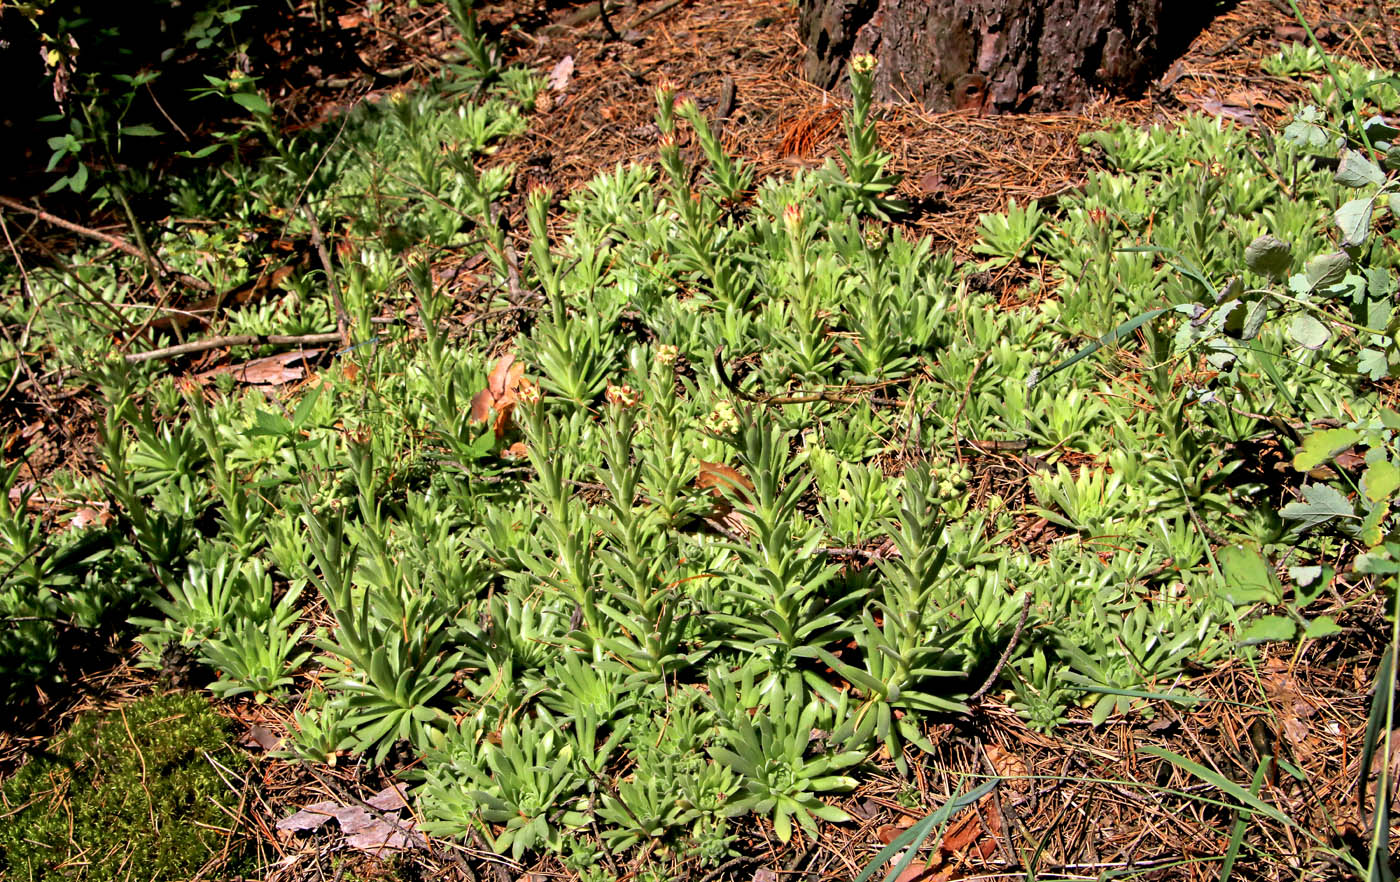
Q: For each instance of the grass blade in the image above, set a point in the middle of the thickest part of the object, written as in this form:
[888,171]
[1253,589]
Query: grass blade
[1225,785]
[1108,339]
[1242,821]
[1374,722]
[914,837]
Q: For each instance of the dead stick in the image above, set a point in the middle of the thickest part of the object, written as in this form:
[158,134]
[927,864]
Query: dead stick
[115,241]
[809,398]
[1006,653]
[342,318]
[658,12]
[233,340]
[607,23]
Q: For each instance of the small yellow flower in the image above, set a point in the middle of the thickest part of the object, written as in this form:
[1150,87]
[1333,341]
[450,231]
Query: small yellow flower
[723,419]
[863,63]
[528,392]
[666,354]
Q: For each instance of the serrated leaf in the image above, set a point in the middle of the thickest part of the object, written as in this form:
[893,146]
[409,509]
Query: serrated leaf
[1248,576]
[1268,629]
[1269,256]
[1320,447]
[1308,332]
[1373,364]
[1304,575]
[1322,626]
[1327,269]
[1321,503]
[1354,220]
[1355,170]
[1305,134]
[1380,480]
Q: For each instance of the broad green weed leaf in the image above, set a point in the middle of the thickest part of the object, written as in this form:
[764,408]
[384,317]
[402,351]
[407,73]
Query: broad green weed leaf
[1321,503]
[1373,363]
[1327,269]
[141,131]
[1269,256]
[1254,319]
[1355,170]
[1304,575]
[1248,576]
[252,102]
[1308,332]
[1371,532]
[1381,480]
[1320,447]
[1304,131]
[1354,220]
[1322,626]
[1268,629]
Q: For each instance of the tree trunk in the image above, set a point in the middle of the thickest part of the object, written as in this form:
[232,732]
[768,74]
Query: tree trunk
[999,55]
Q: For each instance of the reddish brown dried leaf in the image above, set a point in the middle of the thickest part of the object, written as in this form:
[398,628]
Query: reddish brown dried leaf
[718,478]
[274,370]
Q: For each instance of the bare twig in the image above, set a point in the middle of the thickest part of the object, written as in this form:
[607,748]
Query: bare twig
[233,340]
[342,318]
[607,23]
[1005,653]
[116,242]
[657,12]
[807,398]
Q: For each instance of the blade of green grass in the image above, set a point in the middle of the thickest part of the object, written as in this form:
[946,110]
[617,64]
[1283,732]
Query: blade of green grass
[914,837]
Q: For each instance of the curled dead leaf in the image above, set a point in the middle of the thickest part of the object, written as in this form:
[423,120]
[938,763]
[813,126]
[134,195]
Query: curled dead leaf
[722,480]
[274,370]
[500,395]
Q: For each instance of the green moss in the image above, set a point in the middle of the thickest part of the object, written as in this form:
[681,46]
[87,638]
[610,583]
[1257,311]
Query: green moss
[128,795]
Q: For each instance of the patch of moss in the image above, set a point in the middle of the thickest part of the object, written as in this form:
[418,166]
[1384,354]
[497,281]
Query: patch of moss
[127,795]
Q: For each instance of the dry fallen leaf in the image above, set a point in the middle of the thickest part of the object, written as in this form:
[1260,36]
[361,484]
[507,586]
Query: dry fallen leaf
[89,515]
[499,396]
[260,737]
[722,480]
[285,367]
[764,874]
[888,833]
[559,75]
[363,830]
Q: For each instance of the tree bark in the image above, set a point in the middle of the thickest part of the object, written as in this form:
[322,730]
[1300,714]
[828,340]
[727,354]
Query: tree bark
[1000,55]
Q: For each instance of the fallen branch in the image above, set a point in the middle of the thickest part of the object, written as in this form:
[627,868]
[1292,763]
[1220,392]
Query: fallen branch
[1005,653]
[806,398]
[342,318]
[233,340]
[116,242]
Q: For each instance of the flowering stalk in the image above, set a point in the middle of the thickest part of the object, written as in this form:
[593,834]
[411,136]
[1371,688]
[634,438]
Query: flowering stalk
[865,180]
